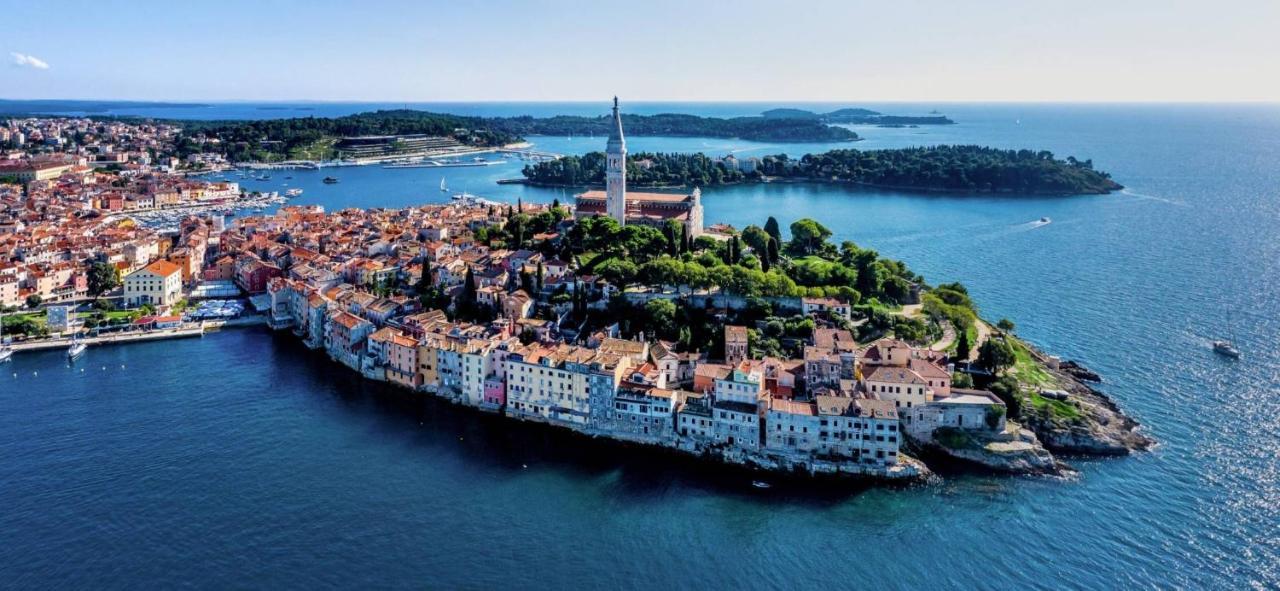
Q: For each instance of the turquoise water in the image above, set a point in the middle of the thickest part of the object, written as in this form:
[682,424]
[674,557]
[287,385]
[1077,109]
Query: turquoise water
[241,459]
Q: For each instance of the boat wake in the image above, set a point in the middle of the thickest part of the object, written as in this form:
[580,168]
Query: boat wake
[1145,197]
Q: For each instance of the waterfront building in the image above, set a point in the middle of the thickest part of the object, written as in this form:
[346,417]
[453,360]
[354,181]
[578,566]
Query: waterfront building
[644,413]
[653,209]
[346,338]
[402,361]
[158,284]
[792,427]
[861,430]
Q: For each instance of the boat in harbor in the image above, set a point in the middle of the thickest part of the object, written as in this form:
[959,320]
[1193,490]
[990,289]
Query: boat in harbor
[761,484]
[1045,220]
[76,349]
[330,180]
[293,192]
[443,187]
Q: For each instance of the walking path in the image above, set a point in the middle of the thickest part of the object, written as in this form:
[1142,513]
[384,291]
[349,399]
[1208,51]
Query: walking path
[128,337]
[188,330]
[948,337]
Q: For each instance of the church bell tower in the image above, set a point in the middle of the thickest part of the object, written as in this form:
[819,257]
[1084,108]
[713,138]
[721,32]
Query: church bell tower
[615,176]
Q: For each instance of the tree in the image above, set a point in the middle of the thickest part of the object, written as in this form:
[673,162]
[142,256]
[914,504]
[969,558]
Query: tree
[469,288]
[996,355]
[1005,325]
[102,277]
[963,346]
[661,317]
[757,239]
[34,301]
[809,234]
[619,272]
[773,250]
[771,228]
[960,379]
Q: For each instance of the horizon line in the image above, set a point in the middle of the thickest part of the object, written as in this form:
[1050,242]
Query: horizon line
[677,101]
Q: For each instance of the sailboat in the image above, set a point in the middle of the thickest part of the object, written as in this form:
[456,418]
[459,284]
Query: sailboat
[443,187]
[6,351]
[76,349]
[1225,347]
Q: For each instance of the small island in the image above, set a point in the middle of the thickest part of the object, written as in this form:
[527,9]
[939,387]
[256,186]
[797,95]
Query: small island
[858,117]
[959,169]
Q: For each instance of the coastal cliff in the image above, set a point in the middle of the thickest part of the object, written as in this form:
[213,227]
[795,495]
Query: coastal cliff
[1104,429]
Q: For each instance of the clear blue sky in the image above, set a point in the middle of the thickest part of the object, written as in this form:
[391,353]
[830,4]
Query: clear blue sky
[1080,50]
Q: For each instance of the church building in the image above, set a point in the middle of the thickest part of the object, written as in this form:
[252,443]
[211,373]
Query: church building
[651,209]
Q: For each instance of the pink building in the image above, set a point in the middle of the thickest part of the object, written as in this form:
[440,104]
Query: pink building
[402,361]
[495,393]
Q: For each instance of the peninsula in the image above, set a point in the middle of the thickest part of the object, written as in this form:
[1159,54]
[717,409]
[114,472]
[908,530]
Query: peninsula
[619,317]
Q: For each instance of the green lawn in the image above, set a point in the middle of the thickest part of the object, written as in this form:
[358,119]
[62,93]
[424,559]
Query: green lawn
[1027,369]
[321,149]
[1056,408]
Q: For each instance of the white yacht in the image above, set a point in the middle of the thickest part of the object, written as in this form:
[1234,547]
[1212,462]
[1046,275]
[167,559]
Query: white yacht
[75,350]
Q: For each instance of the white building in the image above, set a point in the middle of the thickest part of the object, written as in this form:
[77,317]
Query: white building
[158,284]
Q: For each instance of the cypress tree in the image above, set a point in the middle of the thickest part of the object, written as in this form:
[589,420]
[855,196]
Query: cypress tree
[771,228]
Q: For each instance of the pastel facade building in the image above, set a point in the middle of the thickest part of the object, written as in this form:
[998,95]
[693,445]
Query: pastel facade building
[158,284]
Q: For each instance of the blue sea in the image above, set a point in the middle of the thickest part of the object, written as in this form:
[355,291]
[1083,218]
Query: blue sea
[243,460]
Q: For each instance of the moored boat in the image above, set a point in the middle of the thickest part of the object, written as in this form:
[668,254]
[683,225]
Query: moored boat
[76,350]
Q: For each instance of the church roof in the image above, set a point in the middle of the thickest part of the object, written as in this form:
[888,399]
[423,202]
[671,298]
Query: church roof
[633,196]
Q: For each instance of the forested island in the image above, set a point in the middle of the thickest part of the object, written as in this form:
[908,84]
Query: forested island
[974,169]
[761,129]
[314,137]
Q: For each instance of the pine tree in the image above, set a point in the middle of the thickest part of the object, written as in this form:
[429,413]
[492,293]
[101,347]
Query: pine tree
[773,250]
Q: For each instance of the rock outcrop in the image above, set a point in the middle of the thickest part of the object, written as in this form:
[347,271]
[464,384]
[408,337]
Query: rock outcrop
[1102,430]
[1014,451]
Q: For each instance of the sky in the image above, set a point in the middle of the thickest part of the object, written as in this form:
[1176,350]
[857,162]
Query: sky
[645,50]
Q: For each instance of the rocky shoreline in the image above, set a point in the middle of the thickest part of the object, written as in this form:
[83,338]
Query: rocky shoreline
[1105,430]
